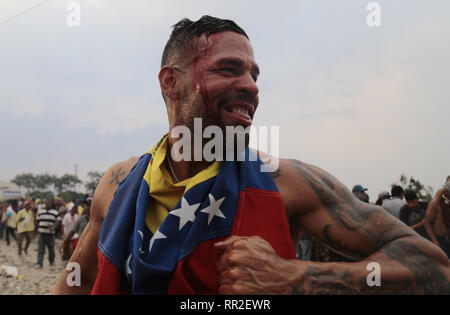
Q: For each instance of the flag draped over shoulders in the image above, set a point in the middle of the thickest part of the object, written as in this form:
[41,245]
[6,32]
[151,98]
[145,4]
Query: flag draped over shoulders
[143,250]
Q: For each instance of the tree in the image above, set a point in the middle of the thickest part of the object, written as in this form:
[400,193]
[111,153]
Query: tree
[25,180]
[67,182]
[424,193]
[44,182]
[94,179]
[46,186]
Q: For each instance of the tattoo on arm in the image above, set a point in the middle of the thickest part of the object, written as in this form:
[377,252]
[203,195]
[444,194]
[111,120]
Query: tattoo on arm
[391,239]
[424,271]
[275,174]
[116,176]
[319,282]
[341,205]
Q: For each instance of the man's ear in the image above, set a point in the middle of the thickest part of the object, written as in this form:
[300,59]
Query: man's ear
[168,80]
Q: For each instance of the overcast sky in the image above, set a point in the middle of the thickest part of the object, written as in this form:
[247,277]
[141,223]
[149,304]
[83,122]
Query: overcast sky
[364,103]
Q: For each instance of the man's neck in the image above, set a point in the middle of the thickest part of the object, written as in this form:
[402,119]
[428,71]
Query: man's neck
[183,169]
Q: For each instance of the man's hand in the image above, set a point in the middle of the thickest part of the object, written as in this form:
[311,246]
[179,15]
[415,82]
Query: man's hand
[250,265]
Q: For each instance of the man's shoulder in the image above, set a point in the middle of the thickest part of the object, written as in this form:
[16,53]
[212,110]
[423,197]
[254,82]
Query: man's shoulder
[107,186]
[287,166]
[301,183]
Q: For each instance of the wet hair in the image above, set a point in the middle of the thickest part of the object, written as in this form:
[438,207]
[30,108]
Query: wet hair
[396,191]
[180,42]
[410,195]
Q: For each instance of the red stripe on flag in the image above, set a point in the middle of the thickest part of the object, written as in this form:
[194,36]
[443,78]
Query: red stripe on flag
[108,278]
[259,212]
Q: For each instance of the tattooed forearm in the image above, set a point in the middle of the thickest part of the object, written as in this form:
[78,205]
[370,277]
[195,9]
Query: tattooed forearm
[316,281]
[116,174]
[428,278]
[365,232]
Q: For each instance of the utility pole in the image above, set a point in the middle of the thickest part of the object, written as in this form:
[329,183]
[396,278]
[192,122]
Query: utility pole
[76,175]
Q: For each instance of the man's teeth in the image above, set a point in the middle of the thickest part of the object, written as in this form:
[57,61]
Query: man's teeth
[240,110]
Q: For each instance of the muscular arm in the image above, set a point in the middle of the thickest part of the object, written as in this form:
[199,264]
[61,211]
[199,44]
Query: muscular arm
[409,264]
[318,203]
[85,253]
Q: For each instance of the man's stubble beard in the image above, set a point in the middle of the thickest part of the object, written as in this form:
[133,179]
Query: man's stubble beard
[194,107]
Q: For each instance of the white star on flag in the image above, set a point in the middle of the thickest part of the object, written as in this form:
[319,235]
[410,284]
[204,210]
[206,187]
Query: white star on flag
[142,238]
[127,267]
[213,209]
[157,236]
[186,213]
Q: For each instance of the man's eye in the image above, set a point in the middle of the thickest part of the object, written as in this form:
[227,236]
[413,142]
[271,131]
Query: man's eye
[229,70]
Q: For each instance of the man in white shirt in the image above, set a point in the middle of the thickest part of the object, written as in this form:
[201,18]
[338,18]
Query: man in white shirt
[68,223]
[396,202]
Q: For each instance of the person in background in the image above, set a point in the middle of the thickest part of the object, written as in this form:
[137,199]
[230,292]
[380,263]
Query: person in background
[2,219]
[11,224]
[80,225]
[68,222]
[396,202]
[414,212]
[360,193]
[46,218]
[437,220]
[25,227]
[381,197]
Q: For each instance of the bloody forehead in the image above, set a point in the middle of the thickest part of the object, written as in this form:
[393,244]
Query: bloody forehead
[224,47]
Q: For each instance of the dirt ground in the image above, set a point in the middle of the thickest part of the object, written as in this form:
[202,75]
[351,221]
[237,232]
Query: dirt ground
[30,280]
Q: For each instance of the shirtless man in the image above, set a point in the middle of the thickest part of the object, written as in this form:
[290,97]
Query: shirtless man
[437,220]
[204,79]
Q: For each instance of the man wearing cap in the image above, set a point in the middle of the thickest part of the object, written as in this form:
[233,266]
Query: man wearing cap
[394,204]
[360,193]
[437,220]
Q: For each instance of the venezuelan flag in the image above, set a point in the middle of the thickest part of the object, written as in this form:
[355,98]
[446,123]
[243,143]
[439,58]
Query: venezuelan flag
[138,255]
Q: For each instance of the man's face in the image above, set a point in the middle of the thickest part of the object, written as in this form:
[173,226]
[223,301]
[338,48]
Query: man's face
[220,84]
[414,204]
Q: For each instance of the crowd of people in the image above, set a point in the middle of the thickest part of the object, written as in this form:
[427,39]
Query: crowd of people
[45,220]
[27,219]
[430,219]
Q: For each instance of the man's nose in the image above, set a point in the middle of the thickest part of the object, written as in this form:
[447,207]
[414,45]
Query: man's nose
[247,84]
